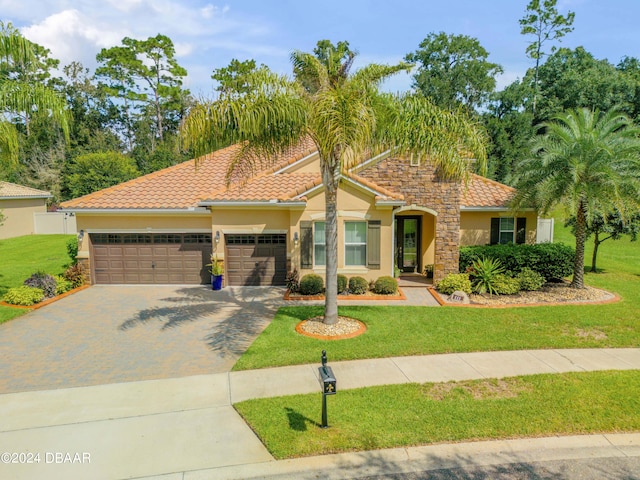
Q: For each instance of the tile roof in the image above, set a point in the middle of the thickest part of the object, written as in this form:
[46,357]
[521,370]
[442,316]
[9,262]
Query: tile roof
[179,187]
[204,179]
[11,190]
[482,192]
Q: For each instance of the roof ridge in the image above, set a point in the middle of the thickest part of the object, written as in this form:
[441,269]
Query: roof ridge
[375,186]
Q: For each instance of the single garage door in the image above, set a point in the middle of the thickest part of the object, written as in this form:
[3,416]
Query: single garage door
[256,259]
[151,258]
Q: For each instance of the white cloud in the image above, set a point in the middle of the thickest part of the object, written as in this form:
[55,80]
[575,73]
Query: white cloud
[72,36]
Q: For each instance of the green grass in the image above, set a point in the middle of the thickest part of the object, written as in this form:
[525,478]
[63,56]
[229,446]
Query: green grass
[22,256]
[412,414]
[400,331]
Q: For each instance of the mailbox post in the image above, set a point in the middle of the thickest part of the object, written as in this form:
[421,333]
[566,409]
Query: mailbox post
[328,383]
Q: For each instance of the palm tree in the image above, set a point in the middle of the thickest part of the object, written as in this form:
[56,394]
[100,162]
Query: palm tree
[345,116]
[587,161]
[18,96]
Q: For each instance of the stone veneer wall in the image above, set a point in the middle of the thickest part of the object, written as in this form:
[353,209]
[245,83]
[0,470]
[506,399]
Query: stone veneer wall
[421,186]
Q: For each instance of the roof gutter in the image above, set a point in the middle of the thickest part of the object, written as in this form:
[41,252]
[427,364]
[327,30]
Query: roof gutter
[495,209]
[137,211]
[26,197]
[252,204]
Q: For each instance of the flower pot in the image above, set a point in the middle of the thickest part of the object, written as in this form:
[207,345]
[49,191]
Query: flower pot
[216,282]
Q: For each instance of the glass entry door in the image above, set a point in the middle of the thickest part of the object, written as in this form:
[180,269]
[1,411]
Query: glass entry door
[408,244]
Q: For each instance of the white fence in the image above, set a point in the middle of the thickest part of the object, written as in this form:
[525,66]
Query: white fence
[54,222]
[544,233]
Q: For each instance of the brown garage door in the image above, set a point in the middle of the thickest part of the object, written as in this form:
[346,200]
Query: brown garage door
[256,259]
[151,258]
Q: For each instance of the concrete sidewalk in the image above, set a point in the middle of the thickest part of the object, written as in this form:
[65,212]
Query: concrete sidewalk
[186,428]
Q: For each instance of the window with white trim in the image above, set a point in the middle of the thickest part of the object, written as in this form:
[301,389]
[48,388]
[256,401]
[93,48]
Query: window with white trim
[507,230]
[319,247]
[355,244]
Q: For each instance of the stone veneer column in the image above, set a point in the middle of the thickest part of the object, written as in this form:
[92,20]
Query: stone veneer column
[86,268]
[421,186]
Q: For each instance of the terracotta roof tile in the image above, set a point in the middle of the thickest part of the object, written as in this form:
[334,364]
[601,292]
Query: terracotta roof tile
[483,192]
[11,190]
[179,187]
[269,187]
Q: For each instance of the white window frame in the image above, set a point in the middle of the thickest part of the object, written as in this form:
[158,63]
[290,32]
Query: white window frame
[501,230]
[357,244]
[323,243]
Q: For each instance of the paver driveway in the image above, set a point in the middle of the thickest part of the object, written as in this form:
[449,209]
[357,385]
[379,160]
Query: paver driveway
[109,334]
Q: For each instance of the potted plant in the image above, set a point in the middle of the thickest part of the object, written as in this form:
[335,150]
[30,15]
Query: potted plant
[217,270]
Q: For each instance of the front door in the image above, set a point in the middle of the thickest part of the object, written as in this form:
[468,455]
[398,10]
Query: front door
[408,254]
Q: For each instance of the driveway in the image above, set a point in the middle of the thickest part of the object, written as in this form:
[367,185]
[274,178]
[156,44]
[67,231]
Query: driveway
[111,334]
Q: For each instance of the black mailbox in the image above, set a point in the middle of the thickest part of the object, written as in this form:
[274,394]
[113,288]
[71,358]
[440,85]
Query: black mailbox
[328,380]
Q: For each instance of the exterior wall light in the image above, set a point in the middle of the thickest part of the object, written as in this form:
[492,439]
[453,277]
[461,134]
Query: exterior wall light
[80,235]
[296,239]
[217,238]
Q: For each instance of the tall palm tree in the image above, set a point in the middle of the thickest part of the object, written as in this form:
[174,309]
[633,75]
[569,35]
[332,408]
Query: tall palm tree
[589,162]
[346,117]
[18,96]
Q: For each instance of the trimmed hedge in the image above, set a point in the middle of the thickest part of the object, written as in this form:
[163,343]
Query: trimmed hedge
[342,283]
[386,286]
[311,284]
[505,285]
[554,261]
[358,285]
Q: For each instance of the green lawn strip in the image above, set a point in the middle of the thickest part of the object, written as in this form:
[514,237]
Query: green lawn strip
[402,331]
[23,256]
[8,313]
[413,414]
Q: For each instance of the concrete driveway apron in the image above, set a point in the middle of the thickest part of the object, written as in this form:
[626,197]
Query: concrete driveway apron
[111,334]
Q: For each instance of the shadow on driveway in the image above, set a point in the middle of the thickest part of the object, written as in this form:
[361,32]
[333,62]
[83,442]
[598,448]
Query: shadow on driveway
[110,334]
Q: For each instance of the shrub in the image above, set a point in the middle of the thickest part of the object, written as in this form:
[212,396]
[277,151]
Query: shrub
[530,280]
[311,284]
[358,285]
[553,261]
[44,282]
[72,250]
[505,285]
[292,281]
[24,295]
[453,282]
[386,286]
[75,274]
[483,272]
[62,285]
[342,283]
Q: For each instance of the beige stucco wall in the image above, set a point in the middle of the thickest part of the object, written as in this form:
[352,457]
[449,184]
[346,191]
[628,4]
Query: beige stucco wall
[18,216]
[147,223]
[354,204]
[475,227]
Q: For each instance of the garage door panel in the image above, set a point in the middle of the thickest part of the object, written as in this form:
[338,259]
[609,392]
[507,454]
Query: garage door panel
[256,259]
[150,263]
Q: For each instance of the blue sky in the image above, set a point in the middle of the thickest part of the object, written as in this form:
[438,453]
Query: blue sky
[208,34]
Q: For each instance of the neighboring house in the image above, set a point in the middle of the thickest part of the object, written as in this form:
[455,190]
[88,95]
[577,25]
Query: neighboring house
[162,227]
[19,205]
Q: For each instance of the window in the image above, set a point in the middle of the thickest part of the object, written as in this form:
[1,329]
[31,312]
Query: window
[507,230]
[319,250]
[355,243]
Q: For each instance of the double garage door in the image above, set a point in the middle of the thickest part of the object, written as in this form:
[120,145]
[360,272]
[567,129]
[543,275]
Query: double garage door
[151,258]
[183,258]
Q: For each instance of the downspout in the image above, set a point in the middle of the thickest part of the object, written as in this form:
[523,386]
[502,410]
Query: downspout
[393,242]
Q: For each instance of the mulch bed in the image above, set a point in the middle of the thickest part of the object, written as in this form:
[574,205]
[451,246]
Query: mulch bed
[550,294]
[46,301]
[365,296]
[345,328]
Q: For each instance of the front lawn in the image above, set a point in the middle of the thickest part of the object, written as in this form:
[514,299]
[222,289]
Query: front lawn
[400,331]
[413,414]
[22,256]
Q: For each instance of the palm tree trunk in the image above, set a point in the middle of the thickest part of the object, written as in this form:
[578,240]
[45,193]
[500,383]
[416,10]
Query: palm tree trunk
[596,244]
[581,237]
[330,181]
